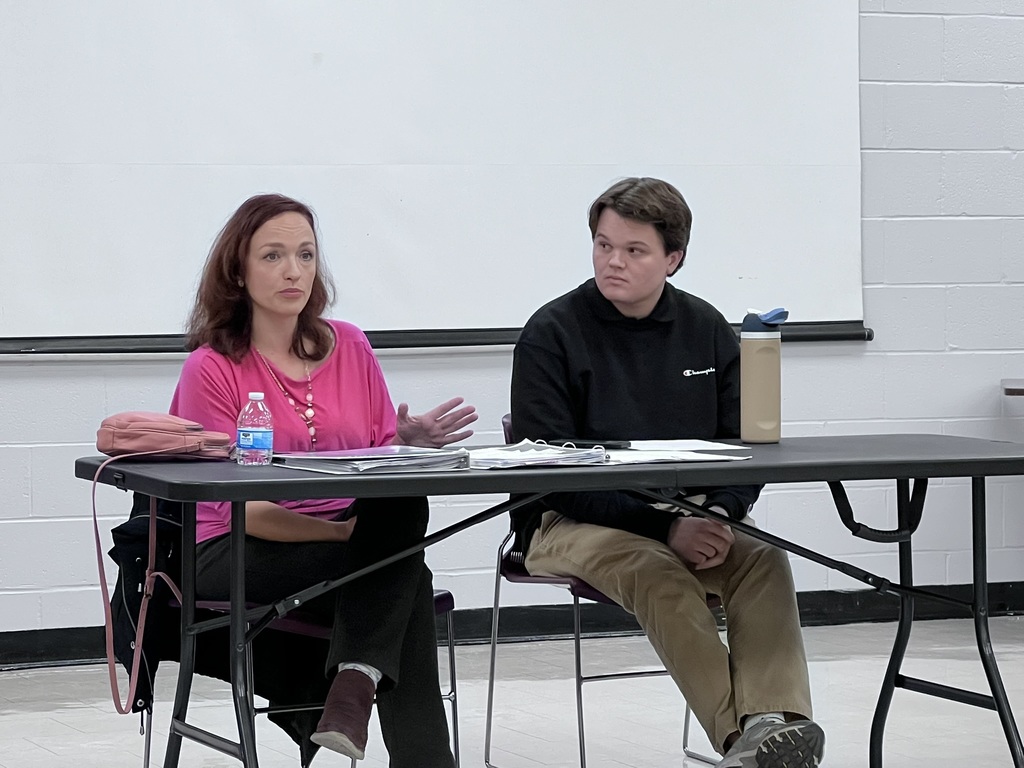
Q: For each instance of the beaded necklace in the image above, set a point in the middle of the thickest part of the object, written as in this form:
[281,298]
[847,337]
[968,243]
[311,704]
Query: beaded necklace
[307,413]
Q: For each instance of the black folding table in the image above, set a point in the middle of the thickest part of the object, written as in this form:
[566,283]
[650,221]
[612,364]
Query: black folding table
[909,460]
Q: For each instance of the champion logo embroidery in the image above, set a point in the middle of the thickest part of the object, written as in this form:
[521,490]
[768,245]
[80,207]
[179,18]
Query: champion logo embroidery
[691,372]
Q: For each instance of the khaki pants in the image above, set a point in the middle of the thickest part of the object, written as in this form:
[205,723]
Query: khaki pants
[764,669]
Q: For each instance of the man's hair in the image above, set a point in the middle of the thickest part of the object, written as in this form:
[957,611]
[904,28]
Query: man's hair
[222,313]
[651,201]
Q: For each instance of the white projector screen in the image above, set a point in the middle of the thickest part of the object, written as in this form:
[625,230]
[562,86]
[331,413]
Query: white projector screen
[450,149]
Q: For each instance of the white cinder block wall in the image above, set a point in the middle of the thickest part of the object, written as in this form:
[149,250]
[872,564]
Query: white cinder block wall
[942,129]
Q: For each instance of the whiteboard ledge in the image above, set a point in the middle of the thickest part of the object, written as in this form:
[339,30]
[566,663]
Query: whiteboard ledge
[843,330]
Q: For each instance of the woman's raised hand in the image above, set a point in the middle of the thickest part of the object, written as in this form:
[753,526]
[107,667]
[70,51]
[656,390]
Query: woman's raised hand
[437,427]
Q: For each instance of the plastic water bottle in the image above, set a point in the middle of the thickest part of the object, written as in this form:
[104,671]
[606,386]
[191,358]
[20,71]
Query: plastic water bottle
[761,376]
[255,432]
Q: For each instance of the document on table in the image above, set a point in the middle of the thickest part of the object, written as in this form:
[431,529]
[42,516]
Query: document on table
[530,454]
[633,456]
[384,458]
[685,445]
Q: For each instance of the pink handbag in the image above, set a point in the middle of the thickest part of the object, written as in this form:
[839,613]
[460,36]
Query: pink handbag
[137,434]
[153,434]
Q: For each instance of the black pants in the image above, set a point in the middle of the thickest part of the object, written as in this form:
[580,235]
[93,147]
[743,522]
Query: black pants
[384,619]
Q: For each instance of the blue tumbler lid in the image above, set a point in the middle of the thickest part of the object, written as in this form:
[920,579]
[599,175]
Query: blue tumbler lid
[765,321]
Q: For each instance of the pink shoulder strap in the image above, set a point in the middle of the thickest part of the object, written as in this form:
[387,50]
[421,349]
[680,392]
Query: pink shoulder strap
[147,593]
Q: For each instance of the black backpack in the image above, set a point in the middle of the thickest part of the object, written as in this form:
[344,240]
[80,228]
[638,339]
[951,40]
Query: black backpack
[163,620]
[299,681]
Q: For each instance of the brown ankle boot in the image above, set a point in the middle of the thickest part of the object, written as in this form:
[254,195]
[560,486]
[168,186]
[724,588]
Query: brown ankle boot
[346,717]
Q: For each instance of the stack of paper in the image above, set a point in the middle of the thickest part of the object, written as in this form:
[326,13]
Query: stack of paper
[685,445]
[531,454]
[654,451]
[384,458]
[631,456]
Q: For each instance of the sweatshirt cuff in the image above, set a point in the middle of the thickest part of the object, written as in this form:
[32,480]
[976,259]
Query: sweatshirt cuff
[737,508]
[654,523]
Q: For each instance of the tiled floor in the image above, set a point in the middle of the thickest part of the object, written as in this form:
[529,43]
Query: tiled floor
[63,717]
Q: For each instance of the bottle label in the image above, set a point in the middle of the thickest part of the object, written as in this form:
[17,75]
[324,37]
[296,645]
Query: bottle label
[257,439]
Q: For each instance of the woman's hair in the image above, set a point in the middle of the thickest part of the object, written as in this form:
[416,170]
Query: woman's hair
[222,314]
[651,201]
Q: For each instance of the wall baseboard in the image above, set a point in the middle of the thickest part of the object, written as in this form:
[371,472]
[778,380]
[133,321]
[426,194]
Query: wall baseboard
[50,647]
[822,608]
[77,645]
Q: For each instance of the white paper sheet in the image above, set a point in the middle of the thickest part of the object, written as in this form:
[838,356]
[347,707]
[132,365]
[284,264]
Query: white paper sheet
[684,445]
[631,456]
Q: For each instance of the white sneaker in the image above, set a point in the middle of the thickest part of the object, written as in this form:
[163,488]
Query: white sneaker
[799,744]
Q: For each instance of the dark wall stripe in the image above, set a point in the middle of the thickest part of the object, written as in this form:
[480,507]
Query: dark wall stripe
[523,623]
[852,330]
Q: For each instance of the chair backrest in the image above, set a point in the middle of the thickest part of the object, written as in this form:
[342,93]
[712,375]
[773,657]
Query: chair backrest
[296,622]
[300,622]
[511,562]
[512,567]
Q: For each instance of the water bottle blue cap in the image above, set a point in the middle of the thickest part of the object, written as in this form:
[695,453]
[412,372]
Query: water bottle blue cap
[255,395]
[765,321]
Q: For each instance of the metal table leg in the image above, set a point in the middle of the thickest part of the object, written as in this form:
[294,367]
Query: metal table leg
[903,627]
[188,640]
[981,630]
[241,689]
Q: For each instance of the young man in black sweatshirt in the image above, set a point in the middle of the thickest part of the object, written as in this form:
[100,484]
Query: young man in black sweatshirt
[627,356]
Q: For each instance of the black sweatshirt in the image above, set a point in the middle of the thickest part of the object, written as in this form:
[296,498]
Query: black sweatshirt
[582,369]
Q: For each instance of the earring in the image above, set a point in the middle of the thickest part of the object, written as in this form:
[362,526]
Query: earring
[241,283]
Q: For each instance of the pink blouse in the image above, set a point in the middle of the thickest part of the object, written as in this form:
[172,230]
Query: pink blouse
[351,400]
